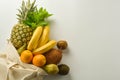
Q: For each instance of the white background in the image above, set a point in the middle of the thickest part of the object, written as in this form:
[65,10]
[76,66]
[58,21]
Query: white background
[91,27]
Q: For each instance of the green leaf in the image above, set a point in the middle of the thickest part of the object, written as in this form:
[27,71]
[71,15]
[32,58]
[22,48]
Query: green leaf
[37,17]
[43,23]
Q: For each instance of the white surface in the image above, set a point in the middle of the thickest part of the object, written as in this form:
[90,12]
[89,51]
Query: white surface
[92,28]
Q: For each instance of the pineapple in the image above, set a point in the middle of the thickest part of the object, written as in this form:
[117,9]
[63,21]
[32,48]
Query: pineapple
[21,33]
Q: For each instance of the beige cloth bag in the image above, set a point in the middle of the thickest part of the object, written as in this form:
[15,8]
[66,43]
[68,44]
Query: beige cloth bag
[11,67]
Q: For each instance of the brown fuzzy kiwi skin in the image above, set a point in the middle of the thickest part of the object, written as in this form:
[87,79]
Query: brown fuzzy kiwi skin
[63,69]
[53,56]
[62,44]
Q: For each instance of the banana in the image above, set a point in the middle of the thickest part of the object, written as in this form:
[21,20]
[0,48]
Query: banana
[45,48]
[45,36]
[34,39]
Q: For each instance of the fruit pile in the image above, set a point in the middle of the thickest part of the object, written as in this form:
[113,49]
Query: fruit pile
[30,36]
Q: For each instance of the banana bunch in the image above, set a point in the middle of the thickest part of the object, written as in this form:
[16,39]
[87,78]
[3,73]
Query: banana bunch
[40,42]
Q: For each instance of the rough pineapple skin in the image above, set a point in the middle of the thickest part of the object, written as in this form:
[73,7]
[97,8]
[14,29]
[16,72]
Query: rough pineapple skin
[20,34]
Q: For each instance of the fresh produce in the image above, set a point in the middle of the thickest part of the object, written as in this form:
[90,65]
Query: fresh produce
[31,38]
[45,36]
[45,48]
[39,60]
[29,17]
[35,38]
[21,34]
[63,69]
[26,56]
[51,68]
[22,48]
[53,56]
[62,44]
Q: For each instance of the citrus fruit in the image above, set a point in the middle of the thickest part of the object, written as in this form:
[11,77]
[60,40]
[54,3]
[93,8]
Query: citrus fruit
[39,60]
[26,56]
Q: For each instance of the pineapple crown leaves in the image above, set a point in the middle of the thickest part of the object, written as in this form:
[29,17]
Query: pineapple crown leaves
[25,8]
[37,18]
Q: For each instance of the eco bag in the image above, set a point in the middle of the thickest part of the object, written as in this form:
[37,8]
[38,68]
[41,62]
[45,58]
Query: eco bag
[11,67]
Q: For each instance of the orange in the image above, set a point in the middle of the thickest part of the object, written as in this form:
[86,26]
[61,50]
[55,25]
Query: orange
[26,56]
[39,60]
